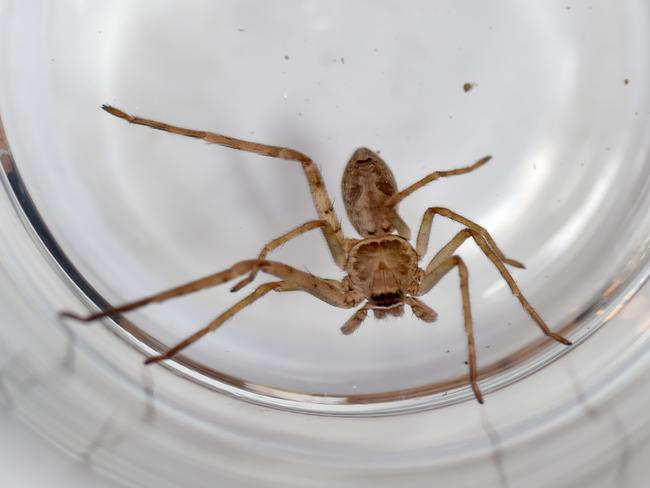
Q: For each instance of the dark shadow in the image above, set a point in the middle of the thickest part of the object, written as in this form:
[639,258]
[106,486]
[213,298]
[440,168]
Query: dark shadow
[497,452]
[106,437]
[149,413]
[610,417]
[6,400]
[69,360]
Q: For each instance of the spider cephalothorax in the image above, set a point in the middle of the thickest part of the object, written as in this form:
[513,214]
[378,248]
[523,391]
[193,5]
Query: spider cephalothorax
[385,272]
[382,267]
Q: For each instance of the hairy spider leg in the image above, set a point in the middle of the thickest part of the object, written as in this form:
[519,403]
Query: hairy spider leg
[421,310]
[329,291]
[427,222]
[337,251]
[431,278]
[354,322]
[398,197]
[317,188]
[184,289]
[259,292]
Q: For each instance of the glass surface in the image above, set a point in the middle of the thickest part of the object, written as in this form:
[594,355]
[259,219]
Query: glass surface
[560,100]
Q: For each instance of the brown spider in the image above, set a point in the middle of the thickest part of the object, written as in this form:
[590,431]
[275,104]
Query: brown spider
[381,267]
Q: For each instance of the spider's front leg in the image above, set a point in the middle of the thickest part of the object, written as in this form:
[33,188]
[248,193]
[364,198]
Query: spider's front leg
[206,282]
[317,188]
[329,291]
[335,247]
[398,197]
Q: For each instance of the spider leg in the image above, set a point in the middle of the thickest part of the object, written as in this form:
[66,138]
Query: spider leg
[478,238]
[435,271]
[435,275]
[400,226]
[259,292]
[431,278]
[421,310]
[446,252]
[354,322]
[398,197]
[329,291]
[191,287]
[425,230]
[338,253]
[317,188]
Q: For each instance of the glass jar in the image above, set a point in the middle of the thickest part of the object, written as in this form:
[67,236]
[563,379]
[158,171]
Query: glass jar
[97,212]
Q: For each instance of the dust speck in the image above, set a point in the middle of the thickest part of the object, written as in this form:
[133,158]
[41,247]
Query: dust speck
[626,81]
[469,86]
[286,57]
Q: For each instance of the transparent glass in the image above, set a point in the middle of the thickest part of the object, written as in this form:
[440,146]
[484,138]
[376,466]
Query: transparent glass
[100,212]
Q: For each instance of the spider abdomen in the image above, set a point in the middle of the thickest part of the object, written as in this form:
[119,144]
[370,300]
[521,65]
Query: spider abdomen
[383,269]
[367,183]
